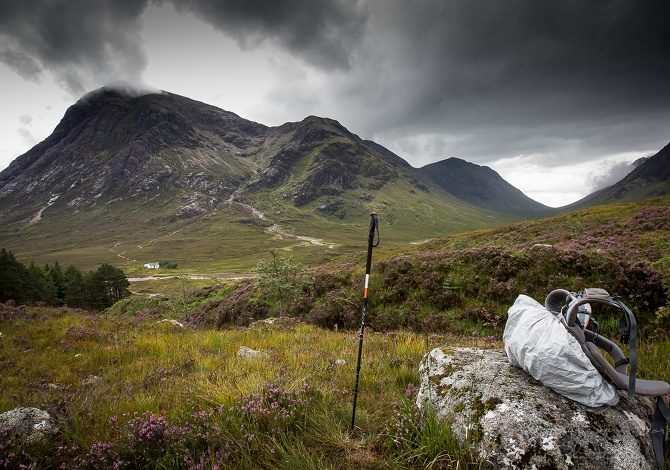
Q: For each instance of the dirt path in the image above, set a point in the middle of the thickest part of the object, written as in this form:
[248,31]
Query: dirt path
[275,228]
[122,254]
[162,236]
[220,277]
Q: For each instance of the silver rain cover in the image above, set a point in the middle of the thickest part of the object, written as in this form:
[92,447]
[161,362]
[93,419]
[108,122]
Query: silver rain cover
[537,341]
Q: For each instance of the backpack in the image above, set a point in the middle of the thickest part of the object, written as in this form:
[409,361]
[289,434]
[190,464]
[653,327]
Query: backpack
[574,311]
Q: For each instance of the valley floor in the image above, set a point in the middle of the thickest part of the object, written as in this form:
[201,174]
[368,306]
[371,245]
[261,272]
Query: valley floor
[130,390]
[138,392]
[107,379]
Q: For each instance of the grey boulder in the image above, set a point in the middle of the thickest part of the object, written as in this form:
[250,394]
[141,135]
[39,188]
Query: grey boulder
[30,424]
[513,421]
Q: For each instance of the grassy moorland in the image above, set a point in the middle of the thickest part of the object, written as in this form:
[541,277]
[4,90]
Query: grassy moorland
[129,391]
[464,283]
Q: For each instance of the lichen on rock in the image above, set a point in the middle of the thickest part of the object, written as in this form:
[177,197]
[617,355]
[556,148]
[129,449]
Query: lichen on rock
[513,421]
[32,425]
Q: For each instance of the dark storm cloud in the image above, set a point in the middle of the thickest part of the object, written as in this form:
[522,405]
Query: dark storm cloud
[323,32]
[83,43]
[480,79]
[498,76]
[21,63]
[90,43]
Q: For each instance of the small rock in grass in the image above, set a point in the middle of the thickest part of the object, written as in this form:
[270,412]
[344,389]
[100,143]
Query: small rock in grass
[245,352]
[276,323]
[541,246]
[171,322]
[340,362]
[91,380]
[32,425]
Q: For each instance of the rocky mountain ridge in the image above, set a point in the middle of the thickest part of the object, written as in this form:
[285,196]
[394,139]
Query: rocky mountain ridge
[111,147]
[138,175]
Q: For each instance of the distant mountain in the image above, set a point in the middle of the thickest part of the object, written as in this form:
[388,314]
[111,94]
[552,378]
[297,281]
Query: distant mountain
[650,178]
[110,147]
[161,176]
[483,187]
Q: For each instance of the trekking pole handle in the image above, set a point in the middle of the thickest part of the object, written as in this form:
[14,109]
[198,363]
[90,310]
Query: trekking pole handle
[372,230]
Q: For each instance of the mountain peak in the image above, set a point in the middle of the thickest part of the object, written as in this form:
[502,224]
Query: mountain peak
[482,187]
[319,119]
[313,121]
[124,92]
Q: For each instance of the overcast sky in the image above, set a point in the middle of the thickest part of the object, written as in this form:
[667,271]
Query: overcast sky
[557,96]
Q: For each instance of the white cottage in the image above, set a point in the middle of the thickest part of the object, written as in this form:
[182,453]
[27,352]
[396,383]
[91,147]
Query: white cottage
[154,265]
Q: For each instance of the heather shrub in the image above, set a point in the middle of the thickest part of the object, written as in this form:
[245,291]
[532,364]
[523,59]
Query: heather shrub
[239,308]
[275,411]
[402,431]
[337,309]
[445,285]
[435,323]
[151,438]
[224,436]
[241,313]
[12,451]
[386,318]
[486,316]
[102,454]
[331,278]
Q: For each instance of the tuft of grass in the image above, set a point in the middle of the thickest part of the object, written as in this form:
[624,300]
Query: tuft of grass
[292,454]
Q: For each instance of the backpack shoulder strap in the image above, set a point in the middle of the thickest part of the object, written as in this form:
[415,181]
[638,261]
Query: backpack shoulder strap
[658,429]
[628,331]
[627,325]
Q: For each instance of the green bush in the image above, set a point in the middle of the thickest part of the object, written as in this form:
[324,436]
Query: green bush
[280,280]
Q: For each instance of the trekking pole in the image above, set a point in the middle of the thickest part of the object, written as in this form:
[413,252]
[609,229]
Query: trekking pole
[374,228]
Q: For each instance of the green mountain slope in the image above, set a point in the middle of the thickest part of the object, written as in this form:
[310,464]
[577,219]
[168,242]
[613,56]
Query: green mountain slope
[131,179]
